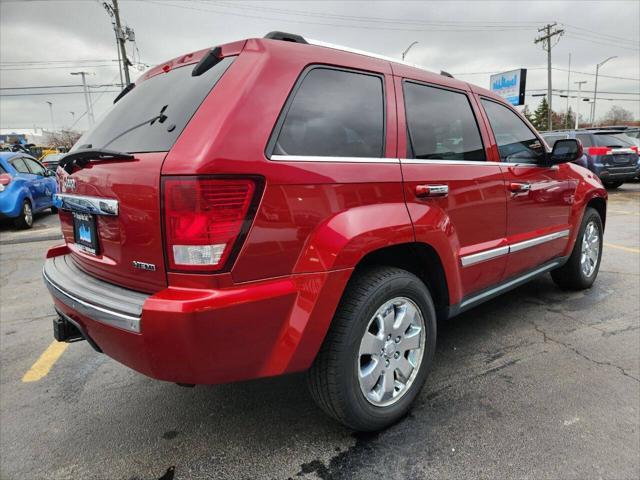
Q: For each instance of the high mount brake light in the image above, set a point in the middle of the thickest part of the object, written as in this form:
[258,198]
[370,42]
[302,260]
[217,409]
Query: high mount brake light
[599,151]
[203,219]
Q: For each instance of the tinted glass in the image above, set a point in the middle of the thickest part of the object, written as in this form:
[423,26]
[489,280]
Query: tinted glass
[334,113]
[585,139]
[612,140]
[2,169]
[176,93]
[20,166]
[516,141]
[34,166]
[441,124]
[552,139]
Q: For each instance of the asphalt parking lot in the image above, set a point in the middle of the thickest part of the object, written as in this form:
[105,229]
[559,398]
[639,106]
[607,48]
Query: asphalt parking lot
[539,383]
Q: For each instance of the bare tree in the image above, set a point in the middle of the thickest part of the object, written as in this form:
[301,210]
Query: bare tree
[617,115]
[63,138]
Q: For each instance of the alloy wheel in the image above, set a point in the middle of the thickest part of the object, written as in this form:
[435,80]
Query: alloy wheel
[590,249]
[391,351]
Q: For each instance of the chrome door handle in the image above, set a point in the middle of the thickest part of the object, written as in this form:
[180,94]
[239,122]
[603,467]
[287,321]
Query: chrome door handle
[424,191]
[517,187]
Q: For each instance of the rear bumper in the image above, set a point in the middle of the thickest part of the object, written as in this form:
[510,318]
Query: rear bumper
[607,173]
[201,336]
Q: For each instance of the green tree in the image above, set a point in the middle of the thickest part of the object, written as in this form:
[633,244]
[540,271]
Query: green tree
[540,118]
[527,113]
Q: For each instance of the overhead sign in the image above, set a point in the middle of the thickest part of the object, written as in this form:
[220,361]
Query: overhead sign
[510,85]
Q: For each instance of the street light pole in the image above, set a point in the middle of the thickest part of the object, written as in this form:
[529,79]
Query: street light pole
[86,96]
[578,103]
[595,90]
[53,126]
[404,54]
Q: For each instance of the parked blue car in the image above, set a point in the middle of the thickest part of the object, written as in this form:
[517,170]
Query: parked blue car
[26,188]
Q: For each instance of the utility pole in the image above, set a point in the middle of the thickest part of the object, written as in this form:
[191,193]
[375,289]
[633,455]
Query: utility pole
[53,125]
[404,54]
[546,43]
[86,96]
[595,90]
[579,100]
[123,50]
[566,120]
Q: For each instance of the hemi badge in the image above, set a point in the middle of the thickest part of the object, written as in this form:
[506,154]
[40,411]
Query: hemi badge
[149,267]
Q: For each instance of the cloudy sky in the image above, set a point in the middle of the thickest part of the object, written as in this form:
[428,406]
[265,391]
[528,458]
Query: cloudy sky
[42,42]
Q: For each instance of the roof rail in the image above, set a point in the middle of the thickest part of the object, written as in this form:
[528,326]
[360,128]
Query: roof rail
[292,37]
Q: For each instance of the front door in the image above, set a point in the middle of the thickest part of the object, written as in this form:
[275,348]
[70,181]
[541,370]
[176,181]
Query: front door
[452,192]
[539,197]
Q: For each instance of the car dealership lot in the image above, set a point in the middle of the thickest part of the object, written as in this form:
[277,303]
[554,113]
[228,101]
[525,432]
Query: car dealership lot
[538,383]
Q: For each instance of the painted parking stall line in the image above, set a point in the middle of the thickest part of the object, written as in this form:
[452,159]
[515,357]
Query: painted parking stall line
[43,365]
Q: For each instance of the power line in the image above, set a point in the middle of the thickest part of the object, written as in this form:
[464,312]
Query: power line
[49,93]
[59,86]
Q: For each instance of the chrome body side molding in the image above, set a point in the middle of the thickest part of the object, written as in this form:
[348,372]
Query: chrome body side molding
[474,258]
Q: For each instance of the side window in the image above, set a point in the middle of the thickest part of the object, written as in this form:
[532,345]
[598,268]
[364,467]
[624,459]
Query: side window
[516,142]
[334,113]
[585,139]
[2,169]
[441,124]
[35,167]
[20,166]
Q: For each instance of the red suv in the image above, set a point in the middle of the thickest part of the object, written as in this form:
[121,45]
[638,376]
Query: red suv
[280,205]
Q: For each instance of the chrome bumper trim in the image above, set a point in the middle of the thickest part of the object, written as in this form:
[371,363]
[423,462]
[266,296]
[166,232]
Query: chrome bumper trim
[94,299]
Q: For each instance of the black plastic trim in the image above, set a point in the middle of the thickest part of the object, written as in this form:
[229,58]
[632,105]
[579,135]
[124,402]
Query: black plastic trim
[287,37]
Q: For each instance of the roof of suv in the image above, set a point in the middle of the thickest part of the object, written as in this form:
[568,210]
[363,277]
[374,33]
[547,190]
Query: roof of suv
[283,42]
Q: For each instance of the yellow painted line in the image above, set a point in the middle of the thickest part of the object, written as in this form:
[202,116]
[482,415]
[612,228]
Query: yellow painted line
[42,366]
[621,247]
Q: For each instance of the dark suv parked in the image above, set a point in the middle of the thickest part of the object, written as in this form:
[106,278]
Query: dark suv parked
[610,154]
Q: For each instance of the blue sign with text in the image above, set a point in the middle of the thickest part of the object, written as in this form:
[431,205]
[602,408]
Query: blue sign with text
[510,85]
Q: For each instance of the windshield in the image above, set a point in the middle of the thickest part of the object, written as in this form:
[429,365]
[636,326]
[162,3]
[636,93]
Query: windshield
[151,117]
[612,140]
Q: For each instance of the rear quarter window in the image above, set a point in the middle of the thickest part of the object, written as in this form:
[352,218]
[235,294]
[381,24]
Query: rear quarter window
[127,126]
[332,113]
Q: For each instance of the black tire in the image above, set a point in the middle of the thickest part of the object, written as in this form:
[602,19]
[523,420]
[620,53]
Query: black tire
[333,378]
[25,220]
[613,185]
[571,275]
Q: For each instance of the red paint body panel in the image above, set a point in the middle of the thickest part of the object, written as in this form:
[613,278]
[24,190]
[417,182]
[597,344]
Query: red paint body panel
[314,223]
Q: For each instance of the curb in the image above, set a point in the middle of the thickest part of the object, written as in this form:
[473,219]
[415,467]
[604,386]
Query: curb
[56,236]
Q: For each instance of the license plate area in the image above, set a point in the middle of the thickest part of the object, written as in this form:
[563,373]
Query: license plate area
[85,234]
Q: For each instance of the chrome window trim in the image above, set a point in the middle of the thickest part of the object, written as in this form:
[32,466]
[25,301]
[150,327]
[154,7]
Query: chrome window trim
[86,204]
[492,253]
[95,312]
[308,158]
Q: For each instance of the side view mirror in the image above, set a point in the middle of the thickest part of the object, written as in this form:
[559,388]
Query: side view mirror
[564,151]
[49,173]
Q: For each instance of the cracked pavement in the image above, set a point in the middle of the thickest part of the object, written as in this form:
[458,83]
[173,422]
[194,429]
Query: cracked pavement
[538,383]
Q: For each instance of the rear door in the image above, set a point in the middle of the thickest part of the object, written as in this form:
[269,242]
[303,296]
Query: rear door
[112,217]
[449,184]
[539,197]
[29,178]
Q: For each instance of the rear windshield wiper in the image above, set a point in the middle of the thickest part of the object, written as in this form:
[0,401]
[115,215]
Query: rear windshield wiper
[81,158]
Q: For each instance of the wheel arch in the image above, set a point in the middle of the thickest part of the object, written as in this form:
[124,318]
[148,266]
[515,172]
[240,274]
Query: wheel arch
[599,204]
[422,260]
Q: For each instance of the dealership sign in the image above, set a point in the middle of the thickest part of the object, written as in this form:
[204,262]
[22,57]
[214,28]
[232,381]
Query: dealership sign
[510,85]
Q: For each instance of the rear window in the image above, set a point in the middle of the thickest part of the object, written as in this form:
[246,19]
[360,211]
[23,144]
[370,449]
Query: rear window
[612,140]
[334,113]
[128,125]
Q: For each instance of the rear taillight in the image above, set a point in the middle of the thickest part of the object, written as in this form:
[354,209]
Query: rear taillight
[5,179]
[599,151]
[634,148]
[203,219]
